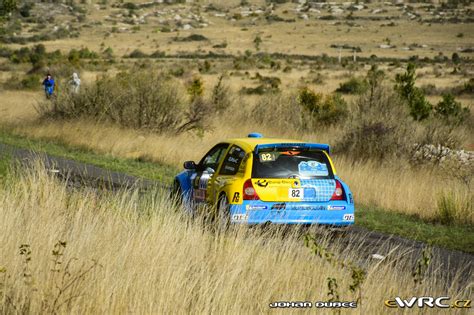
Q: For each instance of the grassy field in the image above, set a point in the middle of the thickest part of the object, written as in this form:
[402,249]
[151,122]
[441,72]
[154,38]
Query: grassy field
[155,28]
[80,252]
[369,215]
[76,251]
[371,182]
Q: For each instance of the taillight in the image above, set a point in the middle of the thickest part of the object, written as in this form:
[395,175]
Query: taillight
[249,191]
[338,192]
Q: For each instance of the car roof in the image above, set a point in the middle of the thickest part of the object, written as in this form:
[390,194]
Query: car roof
[249,144]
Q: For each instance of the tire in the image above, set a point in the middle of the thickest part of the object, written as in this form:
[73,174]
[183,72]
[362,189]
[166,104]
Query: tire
[223,211]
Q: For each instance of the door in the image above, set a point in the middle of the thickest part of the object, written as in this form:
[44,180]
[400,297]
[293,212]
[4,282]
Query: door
[205,171]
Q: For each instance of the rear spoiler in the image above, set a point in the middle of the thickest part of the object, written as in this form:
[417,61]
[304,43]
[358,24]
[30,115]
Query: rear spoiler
[303,146]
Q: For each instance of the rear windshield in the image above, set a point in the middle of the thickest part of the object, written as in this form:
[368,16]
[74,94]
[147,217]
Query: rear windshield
[291,163]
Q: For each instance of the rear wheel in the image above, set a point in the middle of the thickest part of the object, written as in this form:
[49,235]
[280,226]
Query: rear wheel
[223,211]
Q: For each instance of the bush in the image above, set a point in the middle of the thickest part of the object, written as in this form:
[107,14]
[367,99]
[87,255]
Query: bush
[137,53]
[136,99]
[468,87]
[25,9]
[7,6]
[258,90]
[353,86]
[195,88]
[451,111]
[191,38]
[379,127]
[31,82]
[325,110]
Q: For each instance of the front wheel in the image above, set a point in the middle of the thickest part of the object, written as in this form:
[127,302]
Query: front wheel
[177,192]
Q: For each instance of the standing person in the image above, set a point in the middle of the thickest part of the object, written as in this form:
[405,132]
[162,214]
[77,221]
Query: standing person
[48,83]
[75,83]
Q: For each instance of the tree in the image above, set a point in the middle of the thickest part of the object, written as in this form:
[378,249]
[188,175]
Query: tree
[420,108]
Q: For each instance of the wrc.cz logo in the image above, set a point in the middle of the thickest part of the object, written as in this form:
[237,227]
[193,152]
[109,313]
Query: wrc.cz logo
[431,302]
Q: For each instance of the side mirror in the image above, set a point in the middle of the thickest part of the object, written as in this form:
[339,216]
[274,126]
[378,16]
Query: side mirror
[189,165]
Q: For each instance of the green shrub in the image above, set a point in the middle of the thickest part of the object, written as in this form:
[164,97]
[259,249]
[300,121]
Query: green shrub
[451,111]
[191,38]
[31,82]
[25,9]
[137,53]
[130,6]
[420,108]
[195,88]
[258,90]
[353,86]
[325,110]
[7,6]
[468,87]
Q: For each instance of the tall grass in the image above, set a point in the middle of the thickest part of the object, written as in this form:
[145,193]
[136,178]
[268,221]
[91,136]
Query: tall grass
[393,186]
[135,253]
[379,132]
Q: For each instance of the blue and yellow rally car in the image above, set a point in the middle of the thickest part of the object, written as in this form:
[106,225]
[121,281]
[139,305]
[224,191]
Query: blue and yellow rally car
[259,180]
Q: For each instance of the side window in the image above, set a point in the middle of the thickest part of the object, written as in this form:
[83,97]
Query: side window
[232,161]
[214,156]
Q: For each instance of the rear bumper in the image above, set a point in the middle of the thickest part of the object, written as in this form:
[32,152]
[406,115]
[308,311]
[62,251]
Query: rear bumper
[339,213]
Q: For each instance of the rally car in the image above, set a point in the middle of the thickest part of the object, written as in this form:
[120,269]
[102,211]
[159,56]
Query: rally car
[257,180]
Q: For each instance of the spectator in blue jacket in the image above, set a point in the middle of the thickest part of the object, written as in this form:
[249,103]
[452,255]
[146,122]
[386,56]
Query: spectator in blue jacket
[48,83]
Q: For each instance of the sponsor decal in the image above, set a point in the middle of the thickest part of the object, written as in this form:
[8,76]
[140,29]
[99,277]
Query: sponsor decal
[232,159]
[262,183]
[427,301]
[336,207]
[256,207]
[348,217]
[313,168]
[240,217]
[307,207]
[229,168]
[236,197]
[279,206]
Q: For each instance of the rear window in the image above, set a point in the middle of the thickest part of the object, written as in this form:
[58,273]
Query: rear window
[291,163]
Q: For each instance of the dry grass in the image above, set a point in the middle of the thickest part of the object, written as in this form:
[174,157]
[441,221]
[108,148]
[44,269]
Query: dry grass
[18,108]
[153,260]
[398,186]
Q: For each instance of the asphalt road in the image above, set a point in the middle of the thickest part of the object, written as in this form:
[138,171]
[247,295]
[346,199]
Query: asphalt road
[373,247]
